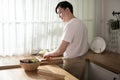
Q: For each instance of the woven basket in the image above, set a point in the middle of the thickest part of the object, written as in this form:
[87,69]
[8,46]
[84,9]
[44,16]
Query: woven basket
[30,66]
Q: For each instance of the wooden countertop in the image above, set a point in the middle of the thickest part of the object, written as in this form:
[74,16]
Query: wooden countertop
[20,74]
[107,60]
[11,70]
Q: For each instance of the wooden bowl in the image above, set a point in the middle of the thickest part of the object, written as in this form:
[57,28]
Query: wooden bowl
[28,65]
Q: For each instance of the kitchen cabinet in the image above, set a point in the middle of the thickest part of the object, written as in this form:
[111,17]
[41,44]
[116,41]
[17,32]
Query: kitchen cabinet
[96,72]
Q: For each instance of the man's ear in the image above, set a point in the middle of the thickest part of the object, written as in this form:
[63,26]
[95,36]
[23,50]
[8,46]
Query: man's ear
[67,9]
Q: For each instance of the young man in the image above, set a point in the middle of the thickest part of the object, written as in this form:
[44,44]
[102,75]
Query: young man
[74,43]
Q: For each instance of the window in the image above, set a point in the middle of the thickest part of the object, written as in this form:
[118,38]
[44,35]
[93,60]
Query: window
[28,25]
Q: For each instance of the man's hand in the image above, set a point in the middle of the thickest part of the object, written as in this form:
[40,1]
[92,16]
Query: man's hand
[47,56]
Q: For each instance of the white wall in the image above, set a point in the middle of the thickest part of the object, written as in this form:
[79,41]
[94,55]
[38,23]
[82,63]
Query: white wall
[104,9]
[110,6]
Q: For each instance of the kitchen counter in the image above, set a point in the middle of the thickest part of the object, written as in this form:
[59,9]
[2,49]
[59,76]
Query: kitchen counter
[10,69]
[107,60]
[20,74]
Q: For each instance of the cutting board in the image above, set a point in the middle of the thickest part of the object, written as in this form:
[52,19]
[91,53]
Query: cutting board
[53,60]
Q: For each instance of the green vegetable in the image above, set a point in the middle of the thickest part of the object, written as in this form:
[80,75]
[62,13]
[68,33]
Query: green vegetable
[43,51]
[35,60]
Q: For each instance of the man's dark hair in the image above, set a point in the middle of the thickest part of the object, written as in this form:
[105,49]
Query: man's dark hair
[64,5]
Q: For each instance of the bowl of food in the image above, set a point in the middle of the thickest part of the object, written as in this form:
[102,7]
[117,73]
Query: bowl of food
[29,64]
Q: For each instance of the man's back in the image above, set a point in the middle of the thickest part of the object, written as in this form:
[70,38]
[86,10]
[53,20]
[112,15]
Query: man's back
[76,34]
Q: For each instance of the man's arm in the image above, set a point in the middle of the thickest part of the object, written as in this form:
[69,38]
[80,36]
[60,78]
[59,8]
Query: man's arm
[58,51]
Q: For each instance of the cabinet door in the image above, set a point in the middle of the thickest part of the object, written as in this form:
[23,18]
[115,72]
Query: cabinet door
[96,72]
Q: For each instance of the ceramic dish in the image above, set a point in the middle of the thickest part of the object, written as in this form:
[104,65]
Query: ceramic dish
[98,45]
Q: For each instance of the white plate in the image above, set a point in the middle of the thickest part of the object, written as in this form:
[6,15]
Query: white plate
[98,45]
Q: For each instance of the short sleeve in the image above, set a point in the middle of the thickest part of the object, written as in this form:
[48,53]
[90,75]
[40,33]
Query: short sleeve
[68,33]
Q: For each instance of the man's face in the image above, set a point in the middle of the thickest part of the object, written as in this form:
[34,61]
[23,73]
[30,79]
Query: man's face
[62,13]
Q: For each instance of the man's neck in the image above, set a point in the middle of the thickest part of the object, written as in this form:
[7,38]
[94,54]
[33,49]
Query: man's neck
[70,17]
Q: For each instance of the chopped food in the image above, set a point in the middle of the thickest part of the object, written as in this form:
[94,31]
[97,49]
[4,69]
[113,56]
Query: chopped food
[43,51]
[29,60]
[35,60]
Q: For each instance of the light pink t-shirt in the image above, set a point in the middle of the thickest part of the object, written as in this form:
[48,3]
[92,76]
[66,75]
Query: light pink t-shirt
[75,32]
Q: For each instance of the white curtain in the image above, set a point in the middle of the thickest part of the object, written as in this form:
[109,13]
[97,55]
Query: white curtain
[30,25]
